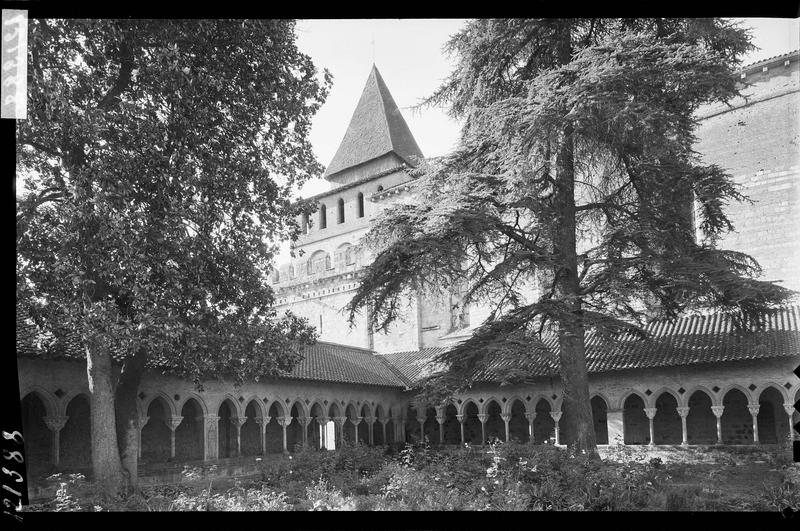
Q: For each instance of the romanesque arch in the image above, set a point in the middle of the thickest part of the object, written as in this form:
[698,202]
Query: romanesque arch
[228,415]
[518,427]
[451,427]
[38,437]
[636,426]
[295,429]
[189,435]
[251,429]
[701,424]
[316,435]
[737,423]
[495,427]
[273,437]
[773,425]
[667,425]
[75,437]
[156,438]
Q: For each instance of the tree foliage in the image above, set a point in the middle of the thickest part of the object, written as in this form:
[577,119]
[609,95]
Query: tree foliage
[568,204]
[159,158]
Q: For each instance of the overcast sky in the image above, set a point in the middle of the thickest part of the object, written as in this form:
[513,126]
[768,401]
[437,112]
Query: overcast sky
[409,55]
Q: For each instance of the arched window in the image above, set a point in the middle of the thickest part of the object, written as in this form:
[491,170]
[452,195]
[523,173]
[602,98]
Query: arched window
[304,224]
[341,210]
[360,205]
[323,218]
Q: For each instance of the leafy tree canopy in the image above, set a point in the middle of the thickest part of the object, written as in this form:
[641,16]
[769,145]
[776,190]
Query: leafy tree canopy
[159,158]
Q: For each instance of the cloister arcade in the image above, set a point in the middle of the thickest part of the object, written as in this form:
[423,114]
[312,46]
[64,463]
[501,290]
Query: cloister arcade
[192,427]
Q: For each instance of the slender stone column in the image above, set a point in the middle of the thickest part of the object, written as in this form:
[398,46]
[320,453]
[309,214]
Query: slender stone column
[262,430]
[356,421]
[788,407]
[531,417]
[483,417]
[304,422]
[210,433]
[383,422]
[753,409]
[461,419]
[556,416]
[441,420]
[323,422]
[142,423]
[506,419]
[340,422]
[238,422]
[370,426]
[651,414]
[173,424]
[683,411]
[284,422]
[717,410]
[55,424]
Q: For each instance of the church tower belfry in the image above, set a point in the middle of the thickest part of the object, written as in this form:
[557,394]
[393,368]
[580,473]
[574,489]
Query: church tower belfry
[376,139]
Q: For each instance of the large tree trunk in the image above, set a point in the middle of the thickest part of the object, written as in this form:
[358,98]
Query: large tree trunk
[128,417]
[106,467]
[576,408]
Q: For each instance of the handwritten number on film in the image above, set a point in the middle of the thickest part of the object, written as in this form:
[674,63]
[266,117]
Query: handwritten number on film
[14,455]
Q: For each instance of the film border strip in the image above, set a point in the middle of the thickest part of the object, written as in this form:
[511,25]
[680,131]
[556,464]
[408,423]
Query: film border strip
[13,104]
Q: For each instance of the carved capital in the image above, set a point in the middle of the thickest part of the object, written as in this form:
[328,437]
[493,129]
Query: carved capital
[284,421]
[174,422]
[370,420]
[460,418]
[483,417]
[441,420]
[143,421]
[530,416]
[263,421]
[384,420]
[339,421]
[238,421]
[506,418]
[55,423]
[304,421]
[717,410]
[211,418]
[789,409]
[322,421]
[650,412]
[753,409]
[355,421]
[556,415]
[683,411]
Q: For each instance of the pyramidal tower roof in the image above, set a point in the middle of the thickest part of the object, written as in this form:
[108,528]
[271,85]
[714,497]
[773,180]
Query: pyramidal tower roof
[376,128]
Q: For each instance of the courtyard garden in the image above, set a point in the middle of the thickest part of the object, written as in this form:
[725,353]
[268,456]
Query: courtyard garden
[499,476]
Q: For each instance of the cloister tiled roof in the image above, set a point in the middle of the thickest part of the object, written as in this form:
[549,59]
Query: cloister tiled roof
[689,340]
[331,362]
